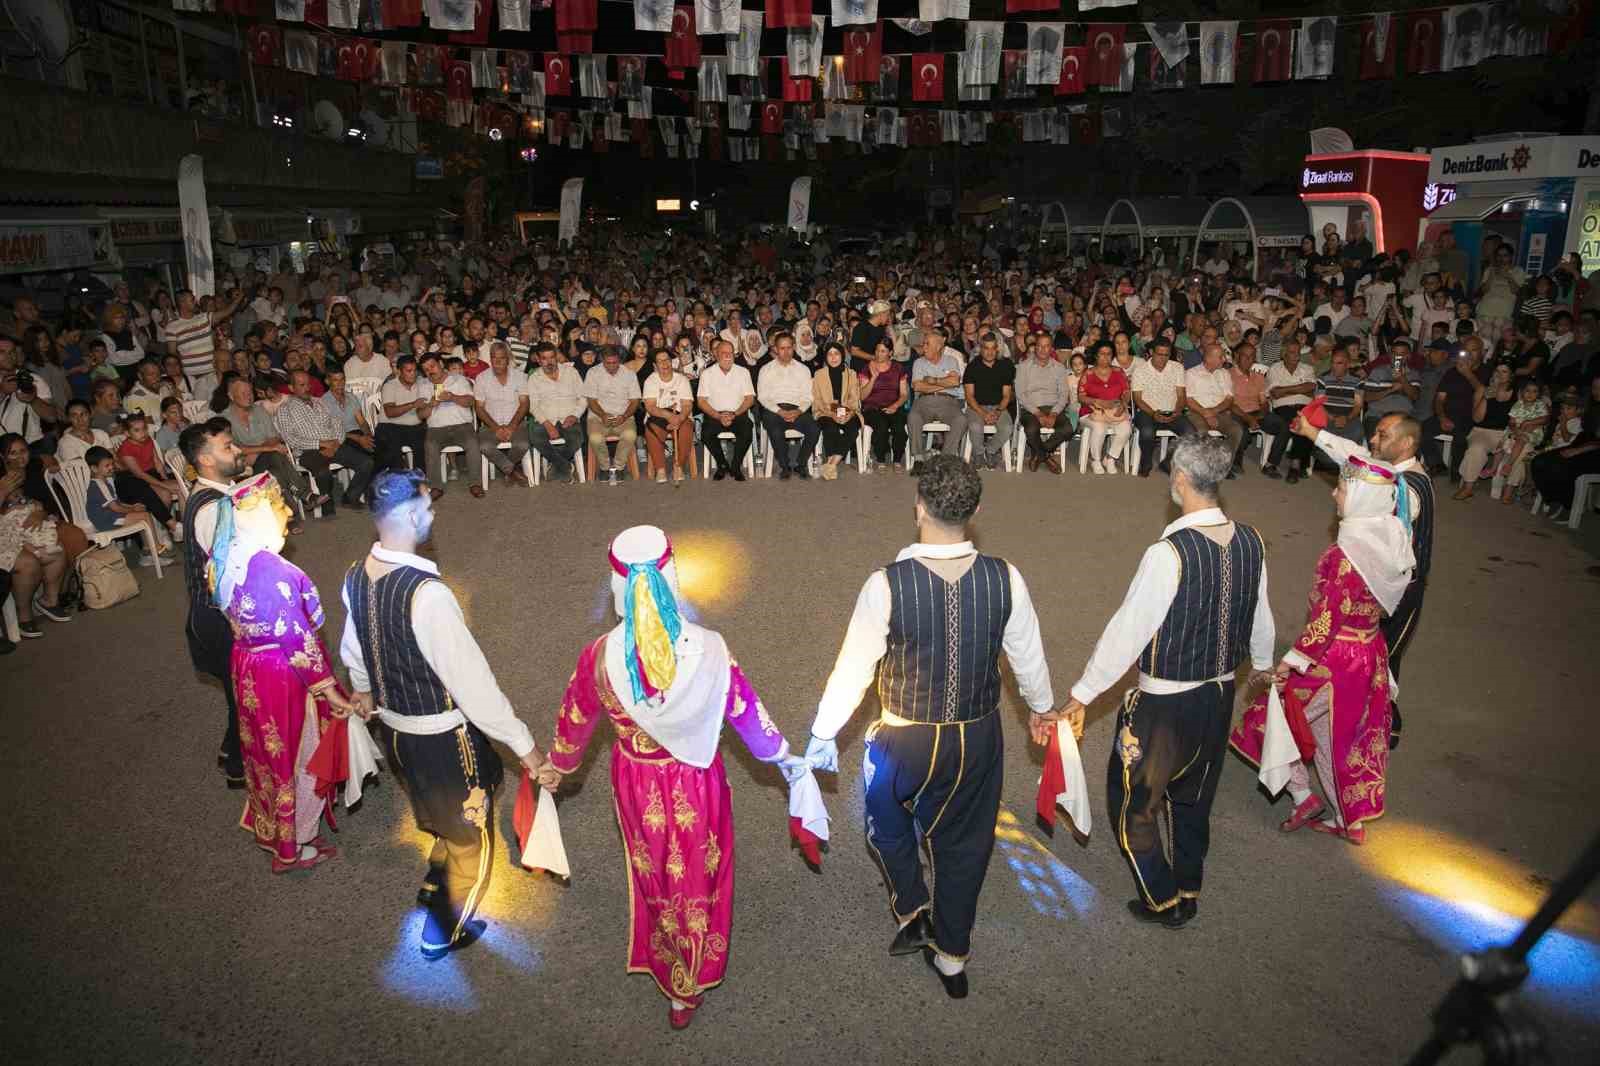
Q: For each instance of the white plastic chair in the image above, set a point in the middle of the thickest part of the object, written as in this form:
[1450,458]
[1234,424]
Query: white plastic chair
[372,407]
[70,485]
[197,410]
[1448,440]
[1580,498]
[180,471]
[1053,437]
[707,467]
[928,430]
[527,465]
[788,435]
[1130,451]
[1266,440]
[12,626]
[1005,450]
[580,462]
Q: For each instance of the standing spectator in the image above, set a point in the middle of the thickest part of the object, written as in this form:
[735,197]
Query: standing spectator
[501,399]
[1497,291]
[1103,395]
[613,396]
[1290,386]
[865,336]
[317,440]
[836,402]
[1491,415]
[191,336]
[725,398]
[1342,395]
[449,421]
[783,390]
[556,404]
[988,383]
[1158,399]
[936,381]
[1208,392]
[1044,397]
[124,352]
[669,415]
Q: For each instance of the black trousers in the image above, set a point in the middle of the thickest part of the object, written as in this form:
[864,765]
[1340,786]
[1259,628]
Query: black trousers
[133,489]
[211,651]
[390,438]
[743,431]
[1146,427]
[450,779]
[1275,422]
[1399,627]
[937,786]
[888,433]
[805,425]
[1168,754]
[838,438]
[1555,477]
[1432,452]
[360,462]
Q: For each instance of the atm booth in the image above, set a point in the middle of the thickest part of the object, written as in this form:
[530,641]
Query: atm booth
[1381,190]
[1158,227]
[1268,227]
[1073,225]
[1539,194]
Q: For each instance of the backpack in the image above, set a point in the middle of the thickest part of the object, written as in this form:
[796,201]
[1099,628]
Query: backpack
[107,581]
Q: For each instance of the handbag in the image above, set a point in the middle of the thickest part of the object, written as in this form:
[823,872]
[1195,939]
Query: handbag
[107,581]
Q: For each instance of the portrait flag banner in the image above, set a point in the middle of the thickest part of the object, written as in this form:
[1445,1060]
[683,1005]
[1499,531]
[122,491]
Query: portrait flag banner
[289,10]
[299,51]
[683,45]
[652,16]
[485,73]
[937,10]
[592,81]
[834,87]
[575,16]
[855,12]
[949,126]
[800,205]
[1464,44]
[969,89]
[266,45]
[196,226]
[862,51]
[1074,65]
[788,14]
[1219,44]
[1274,50]
[514,15]
[915,27]
[1162,76]
[1424,29]
[643,107]
[1105,53]
[744,51]
[1171,39]
[571,205]
[927,77]
[478,32]
[1313,53]
[557,74]
[804,48]
[713,79]
[1130,63]
[719,17]
[343,14]
[982,55]
[1044,53]
[1377,47]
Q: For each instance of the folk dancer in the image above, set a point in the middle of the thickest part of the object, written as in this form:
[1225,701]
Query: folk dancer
[208,447]
[1196,607]
[282,678]
[667,685]
[1335,680]
[937,619]
[413,663]
[1395,440]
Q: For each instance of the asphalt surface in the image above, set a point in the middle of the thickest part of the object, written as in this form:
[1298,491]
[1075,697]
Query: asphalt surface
[144,926]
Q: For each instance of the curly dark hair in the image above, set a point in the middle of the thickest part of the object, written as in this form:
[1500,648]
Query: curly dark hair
[949,489]
[392,489]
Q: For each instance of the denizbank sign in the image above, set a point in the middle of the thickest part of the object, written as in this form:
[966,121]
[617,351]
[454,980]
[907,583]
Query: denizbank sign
[1525,159]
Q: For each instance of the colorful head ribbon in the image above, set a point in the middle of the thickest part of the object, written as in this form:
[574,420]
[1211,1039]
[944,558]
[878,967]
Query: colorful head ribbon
[650,621]
[230,555]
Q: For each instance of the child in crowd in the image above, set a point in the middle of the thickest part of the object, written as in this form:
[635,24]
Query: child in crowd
[108,512]
[172,424]
[99,369]
[1529,417]
[143,465]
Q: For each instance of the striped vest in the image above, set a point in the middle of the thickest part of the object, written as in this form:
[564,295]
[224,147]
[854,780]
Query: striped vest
[943,657]
[195,557]
[1207,629]
[1419,486]
[402,681]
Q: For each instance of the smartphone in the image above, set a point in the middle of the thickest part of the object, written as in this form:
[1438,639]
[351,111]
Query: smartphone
[543,306]
[861,279]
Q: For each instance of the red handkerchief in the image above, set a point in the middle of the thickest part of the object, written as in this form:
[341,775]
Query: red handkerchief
[1052,782]
[330,763]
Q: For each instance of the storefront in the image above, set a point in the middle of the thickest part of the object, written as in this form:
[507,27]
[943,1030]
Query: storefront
[1267,228]
[49,240]
[1382,191]
[1539,194]
[1163,229]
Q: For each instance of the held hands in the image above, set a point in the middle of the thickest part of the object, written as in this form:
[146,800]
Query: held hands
[362,704]
[1040,725]
[793,767]
[340,706]
[823,754]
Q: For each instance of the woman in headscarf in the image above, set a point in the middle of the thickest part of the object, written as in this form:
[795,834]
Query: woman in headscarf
[1335,680]
[836,402]
[667,685]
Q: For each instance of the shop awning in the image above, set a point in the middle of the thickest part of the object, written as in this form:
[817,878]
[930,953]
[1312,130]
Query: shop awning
[1155,216]
[1061,218]
[1475,208]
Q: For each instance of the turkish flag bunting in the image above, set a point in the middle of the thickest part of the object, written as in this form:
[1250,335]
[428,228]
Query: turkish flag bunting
[317,12]
[683,44]
[1015,6]
[479,34]
[399,14]
[266,45]
[795,90]
[557,74]
[788,13]
[927,77]
[1274,50]
[1086,128]
[1372,64]
[577,15]
[863,50]
[430,105]
[458,79]
[1105,54]
[1424,33]
[1074,66]
[345,49]
[772,117]
[330,763]
[576,43]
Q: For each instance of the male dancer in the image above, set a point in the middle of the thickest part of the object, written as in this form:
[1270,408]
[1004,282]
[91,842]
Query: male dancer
[1395,439]
[413,663]
[938,618]
[1197,603]
[208,446]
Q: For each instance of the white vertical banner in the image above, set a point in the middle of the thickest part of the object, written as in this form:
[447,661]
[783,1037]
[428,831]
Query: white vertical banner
[571,204]
[196,226]
[800,204]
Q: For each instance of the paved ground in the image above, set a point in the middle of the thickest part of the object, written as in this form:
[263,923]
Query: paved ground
[145,927]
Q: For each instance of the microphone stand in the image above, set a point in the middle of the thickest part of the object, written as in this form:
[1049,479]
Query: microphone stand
[1479,1009]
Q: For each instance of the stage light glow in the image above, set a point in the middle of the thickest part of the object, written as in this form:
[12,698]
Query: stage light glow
[713,567]
[1052,888]
[442,985]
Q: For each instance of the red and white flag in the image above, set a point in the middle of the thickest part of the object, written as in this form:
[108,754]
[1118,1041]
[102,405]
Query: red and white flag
[772,117]
[784,14]
[683,46]
[862,51]
[1074,67]
[1063,784]
[1014,7]
[458,79]
[1424,37]
[1105,54]
[1274,50]
[927,77]
[557,74]
[1377,47]
[795,90]
[401,14]
[478,32]
[266,46]
[577,15]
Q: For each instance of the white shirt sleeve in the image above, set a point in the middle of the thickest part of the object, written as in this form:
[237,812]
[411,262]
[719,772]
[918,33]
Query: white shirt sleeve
[1144,607]
[1263,630]
[1025,650]
[1337,448]
[766,388]
[205,526]
[455,657]
[865,641]
[350,653]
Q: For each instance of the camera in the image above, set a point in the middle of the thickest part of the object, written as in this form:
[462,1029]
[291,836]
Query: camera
[24,380]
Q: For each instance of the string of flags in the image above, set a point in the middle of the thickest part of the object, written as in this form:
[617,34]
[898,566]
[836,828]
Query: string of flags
[774,76]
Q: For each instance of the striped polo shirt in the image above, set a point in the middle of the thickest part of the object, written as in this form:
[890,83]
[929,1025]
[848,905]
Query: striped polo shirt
[1341,392]
[194,342]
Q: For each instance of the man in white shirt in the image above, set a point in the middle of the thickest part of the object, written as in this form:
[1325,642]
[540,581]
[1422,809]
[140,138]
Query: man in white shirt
[1290,385]
[269,308]
[502,405]
[1197,605]
[366,294]
[556,403]
[937,393]
[190,338]
[1333,309]
[406,398]
[1158,400]
[1208,393]
[365,365]
[933,764]
[449,420]
[1043,396]
[613,395]
[725,397]
[784,392]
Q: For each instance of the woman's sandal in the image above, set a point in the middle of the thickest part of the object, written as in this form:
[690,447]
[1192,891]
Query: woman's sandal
[1305,812]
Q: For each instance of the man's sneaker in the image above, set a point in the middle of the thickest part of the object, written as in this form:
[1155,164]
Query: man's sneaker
[55,614]
[30,630]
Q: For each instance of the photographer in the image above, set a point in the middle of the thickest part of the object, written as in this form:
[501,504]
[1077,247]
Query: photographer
[24,398]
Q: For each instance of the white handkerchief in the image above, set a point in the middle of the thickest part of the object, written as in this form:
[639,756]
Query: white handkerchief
[1278,749]
[1075,800]
[545,850]
[364,756]
[805,803]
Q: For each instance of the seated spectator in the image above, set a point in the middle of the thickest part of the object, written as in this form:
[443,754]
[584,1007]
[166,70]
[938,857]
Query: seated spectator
[1249,395]
[365,368]
[988,382]
[1556,470]
[147,392]
[669,415]
[1530,418]
[1391,387]
[450,423]
[142,475]
[172,424]
[783,392]
[350,415]
[1208,393]
[1575,363]
[836,402]
[1104,395]
[26,405]
[885,390]
[107,510]
[502,404]
[317,440]
[1291,384]
[1491,416]
[32,562]
[613,395]
[556,404]
[1455,399]
[936,381]
[472,363]
[726,396]
[1077,366]
[1044,397]
[1342,393]
[260,447]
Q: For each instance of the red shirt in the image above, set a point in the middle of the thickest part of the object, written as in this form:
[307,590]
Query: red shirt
[1091,387]
[142,454]
[472,370]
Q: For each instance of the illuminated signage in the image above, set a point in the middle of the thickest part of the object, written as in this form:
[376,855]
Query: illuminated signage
[669,205]
[1327,177]
[1435,196]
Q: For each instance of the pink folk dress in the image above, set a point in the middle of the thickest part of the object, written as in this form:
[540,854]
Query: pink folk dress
[677,828]
[1338,709]
[279,667]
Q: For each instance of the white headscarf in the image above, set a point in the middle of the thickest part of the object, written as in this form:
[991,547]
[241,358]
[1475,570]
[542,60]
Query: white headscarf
[1376,542]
